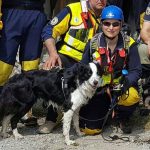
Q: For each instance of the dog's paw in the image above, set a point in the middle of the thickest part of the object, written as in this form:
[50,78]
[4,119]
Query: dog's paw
[4,135]
[70,142]
[18,136]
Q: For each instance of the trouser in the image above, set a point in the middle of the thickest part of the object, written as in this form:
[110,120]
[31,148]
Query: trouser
[99,105]
[96,109]
[1,89]
[22,31]
[67,63]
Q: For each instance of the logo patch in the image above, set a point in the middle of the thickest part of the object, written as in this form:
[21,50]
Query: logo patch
[148,11]
[76,19]
[54,21]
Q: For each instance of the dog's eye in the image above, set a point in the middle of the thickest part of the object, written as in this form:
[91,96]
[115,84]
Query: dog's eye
[98,73]
[89,72]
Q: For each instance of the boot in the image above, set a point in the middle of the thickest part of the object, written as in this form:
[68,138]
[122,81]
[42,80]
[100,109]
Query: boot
[125,126]
[29,119]
[47,127]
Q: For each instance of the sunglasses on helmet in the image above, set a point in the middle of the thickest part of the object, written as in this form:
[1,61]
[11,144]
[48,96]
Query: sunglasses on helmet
[108,24]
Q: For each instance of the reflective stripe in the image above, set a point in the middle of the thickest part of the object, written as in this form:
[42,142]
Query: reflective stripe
[133,98]
[107,79]
[5,72]
[76,55]
[30,65]
[96,55]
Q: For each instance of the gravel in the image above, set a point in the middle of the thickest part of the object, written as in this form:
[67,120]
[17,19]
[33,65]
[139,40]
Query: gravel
[139,140]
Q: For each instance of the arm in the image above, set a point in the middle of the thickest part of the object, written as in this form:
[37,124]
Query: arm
[53,58]
[54,29]
[86,56]
[134,66]
[145,31]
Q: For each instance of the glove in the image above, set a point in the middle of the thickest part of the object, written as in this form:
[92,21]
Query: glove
[121,88]
[125,85]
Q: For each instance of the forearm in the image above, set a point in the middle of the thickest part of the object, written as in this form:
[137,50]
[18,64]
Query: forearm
[134,66]
[145,32]
[50,45]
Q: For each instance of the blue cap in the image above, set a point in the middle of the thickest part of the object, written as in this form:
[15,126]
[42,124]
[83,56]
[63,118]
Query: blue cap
[112,12]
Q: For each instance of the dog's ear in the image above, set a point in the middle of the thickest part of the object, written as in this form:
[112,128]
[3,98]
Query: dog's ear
[70,73]
[83,72]
[80,68]
[100,69]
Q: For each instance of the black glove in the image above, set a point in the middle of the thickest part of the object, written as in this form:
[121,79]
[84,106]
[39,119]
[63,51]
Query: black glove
[125,85]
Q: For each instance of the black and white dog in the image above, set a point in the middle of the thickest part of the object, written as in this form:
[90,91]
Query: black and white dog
[67,88]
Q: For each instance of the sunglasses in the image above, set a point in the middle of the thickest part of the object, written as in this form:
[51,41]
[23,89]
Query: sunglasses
[108,24]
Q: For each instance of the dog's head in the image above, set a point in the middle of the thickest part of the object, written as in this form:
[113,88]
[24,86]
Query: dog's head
[96,73]
[81,73]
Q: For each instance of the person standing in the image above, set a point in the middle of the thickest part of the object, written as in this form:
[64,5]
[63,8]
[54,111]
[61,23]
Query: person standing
[23,23]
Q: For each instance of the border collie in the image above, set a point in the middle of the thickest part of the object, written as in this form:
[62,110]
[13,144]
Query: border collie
[66,88]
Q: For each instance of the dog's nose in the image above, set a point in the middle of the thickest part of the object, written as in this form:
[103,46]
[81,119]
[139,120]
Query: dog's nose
[95,82]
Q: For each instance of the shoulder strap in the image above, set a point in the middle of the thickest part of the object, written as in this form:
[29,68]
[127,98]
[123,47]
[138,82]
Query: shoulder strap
[93,45]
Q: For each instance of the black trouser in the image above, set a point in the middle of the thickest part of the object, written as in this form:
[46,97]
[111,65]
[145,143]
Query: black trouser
[125,112]
[67,63]
[1,87]
[97,108]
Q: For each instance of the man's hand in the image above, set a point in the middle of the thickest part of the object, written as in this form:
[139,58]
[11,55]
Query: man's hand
[52,61]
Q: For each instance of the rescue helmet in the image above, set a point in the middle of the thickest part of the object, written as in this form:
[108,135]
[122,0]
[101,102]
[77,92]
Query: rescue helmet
[112,12]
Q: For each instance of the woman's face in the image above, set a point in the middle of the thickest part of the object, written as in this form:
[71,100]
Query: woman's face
[111,27]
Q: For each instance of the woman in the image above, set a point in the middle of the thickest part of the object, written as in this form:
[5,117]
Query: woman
[114,51]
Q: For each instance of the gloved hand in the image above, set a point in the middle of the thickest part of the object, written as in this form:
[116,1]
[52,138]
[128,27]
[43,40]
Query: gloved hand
[125,85]
[121,88]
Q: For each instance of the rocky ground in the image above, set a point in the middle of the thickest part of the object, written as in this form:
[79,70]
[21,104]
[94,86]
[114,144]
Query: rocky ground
[138,140]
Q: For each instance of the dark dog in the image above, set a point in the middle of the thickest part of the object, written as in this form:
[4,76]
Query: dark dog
[67,88]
